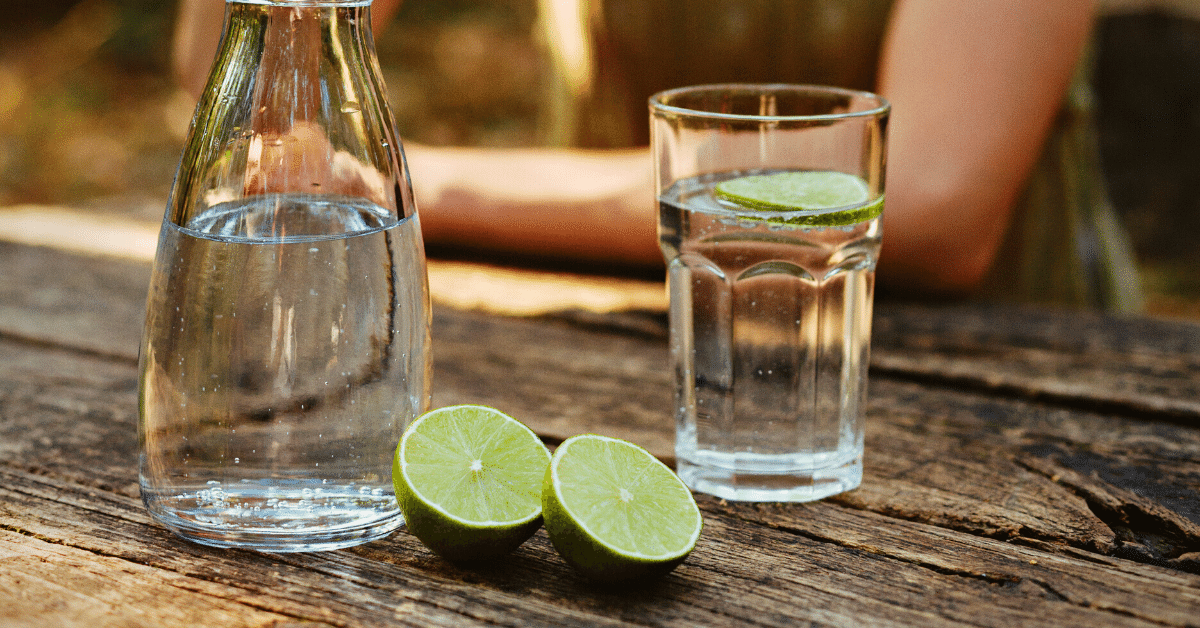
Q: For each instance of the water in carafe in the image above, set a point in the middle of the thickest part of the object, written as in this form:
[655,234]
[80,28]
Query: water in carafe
[286,343]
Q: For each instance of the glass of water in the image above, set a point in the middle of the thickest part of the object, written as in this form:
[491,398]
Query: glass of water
[770,199]
[286,343]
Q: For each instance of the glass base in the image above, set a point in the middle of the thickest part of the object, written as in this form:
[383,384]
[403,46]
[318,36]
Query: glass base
[283,541]
[771,478]
[277,519]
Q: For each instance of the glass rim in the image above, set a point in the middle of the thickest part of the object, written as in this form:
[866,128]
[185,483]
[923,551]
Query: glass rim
[658,104]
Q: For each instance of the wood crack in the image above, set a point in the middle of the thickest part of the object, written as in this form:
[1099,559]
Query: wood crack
[40,343]
[991,579]
[1162,538]
[1049,589]
[1131,408]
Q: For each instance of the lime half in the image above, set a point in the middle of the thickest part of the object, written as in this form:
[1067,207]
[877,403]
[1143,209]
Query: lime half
[821,192]
[615,512]
[469,481]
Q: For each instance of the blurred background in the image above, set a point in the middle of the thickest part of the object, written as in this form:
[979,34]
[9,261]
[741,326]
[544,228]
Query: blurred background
[91,119]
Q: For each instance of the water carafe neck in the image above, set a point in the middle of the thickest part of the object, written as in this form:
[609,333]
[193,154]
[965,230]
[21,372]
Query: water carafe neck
[294,105]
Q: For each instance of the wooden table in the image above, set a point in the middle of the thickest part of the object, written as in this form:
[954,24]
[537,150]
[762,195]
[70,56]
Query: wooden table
[1023,467]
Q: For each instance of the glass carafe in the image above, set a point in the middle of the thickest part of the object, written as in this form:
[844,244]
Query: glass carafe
[286,343]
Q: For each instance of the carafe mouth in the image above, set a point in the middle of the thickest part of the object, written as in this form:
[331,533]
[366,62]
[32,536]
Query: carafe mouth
[304,3]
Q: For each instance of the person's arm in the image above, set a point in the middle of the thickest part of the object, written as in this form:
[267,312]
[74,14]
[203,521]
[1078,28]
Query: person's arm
[975,86]
[596,206]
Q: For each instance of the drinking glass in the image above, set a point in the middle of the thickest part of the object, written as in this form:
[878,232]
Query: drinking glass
[286,343]
[770,305]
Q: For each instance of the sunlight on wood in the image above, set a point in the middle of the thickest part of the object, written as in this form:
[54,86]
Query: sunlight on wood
[462,285]
[79,231]
[531,292]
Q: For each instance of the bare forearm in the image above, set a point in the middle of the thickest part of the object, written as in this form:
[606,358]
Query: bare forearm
[591,205]
[975,86]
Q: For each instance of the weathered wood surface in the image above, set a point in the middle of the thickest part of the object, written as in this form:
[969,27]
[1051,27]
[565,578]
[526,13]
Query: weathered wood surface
[1024,467]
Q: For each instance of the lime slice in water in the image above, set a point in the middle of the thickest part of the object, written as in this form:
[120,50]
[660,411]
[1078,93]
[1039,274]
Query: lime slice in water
[811,190]
[469,481]
[615,512]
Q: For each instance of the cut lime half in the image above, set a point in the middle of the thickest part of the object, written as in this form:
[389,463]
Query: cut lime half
[829,198]
[468,480]
[615,512]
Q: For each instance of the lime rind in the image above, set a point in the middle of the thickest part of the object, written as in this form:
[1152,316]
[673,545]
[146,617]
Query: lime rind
[471,516]
[808,198]
[603,552]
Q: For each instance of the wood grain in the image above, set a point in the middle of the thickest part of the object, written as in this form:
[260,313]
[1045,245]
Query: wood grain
[775,563]
[1132,365]
[1023,468]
